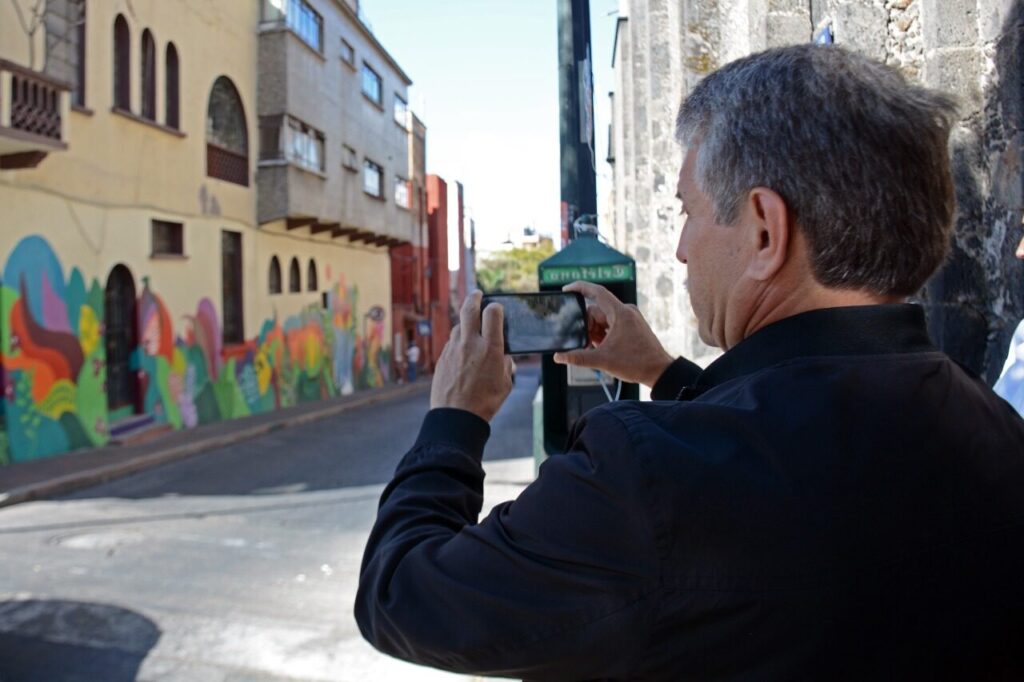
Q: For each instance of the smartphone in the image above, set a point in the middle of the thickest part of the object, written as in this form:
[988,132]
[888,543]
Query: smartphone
[543,322]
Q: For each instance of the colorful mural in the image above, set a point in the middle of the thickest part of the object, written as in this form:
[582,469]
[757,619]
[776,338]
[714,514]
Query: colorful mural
[53,368]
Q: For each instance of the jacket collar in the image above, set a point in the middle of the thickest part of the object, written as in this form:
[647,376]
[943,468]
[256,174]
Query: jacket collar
[856,330]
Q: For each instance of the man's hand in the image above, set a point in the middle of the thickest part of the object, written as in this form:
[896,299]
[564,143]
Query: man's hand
[473,373]
[622,343]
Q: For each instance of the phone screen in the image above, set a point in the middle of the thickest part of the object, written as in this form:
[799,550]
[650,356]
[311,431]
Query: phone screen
[542,322]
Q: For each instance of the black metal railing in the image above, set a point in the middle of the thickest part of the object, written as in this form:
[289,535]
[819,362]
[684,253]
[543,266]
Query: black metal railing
[227,165]
[35,101]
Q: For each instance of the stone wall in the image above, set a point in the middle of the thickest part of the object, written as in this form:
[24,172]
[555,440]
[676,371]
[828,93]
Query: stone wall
[970,48]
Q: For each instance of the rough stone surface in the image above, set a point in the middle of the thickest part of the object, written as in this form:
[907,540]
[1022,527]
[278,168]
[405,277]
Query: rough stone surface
[861,26]
[953,23]
[787,29]
[971,48]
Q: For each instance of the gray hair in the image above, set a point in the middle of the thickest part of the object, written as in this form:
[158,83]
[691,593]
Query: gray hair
[859,156]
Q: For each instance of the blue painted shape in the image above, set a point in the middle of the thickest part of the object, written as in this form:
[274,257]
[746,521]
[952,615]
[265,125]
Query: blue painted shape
[33,259]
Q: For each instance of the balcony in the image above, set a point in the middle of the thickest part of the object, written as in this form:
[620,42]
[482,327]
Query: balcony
[33,116]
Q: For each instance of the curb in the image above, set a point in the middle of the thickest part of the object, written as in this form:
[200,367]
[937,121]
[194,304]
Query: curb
[89,477]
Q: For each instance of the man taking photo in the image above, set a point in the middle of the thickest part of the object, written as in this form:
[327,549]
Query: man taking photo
[832,499]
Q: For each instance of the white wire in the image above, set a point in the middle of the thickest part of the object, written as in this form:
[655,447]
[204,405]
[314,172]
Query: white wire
[604,387]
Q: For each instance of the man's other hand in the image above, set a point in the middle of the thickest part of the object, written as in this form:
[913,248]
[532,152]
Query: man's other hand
[622,344]
[473,373]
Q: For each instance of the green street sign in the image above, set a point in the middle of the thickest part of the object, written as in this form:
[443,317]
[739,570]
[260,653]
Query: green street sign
[564,274]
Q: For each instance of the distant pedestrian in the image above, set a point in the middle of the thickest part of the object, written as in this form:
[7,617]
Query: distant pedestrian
[1011,382]
[412,358]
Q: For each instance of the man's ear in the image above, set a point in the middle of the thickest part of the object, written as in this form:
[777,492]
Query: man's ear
[770,225]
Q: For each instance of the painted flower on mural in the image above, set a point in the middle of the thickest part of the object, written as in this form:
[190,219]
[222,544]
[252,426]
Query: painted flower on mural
[88,330]
[264,370]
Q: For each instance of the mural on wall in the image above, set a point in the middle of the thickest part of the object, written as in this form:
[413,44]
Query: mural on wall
[53,369]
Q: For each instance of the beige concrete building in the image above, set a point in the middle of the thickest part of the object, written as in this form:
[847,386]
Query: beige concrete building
[145,282]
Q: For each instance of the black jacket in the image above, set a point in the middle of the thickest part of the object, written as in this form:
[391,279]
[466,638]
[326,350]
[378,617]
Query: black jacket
[831,499]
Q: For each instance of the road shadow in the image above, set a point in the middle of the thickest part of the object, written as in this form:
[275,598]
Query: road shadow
[70,641]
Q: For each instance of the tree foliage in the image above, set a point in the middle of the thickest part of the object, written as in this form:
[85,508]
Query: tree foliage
[514,270]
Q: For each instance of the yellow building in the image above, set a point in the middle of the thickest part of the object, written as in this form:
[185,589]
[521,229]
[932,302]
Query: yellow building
[138,288]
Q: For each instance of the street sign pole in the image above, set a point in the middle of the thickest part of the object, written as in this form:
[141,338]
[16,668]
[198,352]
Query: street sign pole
[576,96]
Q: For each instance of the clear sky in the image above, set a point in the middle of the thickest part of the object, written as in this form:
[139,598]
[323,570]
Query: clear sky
[485,82]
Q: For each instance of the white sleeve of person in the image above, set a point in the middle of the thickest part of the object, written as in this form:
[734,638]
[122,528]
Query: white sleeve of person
[1010,385]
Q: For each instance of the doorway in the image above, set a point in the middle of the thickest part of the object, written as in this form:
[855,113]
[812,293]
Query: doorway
[121,338]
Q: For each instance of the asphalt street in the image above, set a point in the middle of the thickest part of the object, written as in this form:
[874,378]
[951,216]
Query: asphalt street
[237,564]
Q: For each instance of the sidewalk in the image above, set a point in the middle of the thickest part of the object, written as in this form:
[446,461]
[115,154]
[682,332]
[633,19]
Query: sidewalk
[62,474]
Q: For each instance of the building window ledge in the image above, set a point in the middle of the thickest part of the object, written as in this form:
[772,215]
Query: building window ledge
[282,163]
[81,109]
[374,197]
[145,121]
[168,256]
[307,169]
[375,103]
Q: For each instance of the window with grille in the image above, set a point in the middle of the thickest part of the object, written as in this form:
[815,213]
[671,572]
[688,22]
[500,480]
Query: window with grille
[168,238]
[227,137]
[373,179]
[402,192]
[372,85]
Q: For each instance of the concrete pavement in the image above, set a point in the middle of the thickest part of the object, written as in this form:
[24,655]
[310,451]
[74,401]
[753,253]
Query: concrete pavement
[66,473]
[240,564]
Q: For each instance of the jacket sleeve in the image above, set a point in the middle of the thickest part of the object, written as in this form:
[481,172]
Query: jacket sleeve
[677,376]
[554,585]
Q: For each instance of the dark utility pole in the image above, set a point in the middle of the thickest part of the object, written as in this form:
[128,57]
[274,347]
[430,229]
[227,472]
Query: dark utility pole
[576,94]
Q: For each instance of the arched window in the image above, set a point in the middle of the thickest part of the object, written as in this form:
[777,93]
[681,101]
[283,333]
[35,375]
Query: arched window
[148,71]
[227,138]
[311,283]
[122,66]
[294,281]
[275,275]
[172,114]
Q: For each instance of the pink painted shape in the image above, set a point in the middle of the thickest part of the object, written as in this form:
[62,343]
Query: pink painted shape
[206,318]
[55,311]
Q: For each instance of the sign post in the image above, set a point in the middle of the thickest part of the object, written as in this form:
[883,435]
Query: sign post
[576,95]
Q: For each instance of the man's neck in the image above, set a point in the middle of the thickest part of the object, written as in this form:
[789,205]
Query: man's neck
[778,303]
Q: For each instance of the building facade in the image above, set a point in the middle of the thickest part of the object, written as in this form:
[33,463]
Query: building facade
[409,263]
[185,235]
[971,48]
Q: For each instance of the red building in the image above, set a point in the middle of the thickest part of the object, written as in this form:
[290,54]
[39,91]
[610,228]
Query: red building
[437,266]
[420,281]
